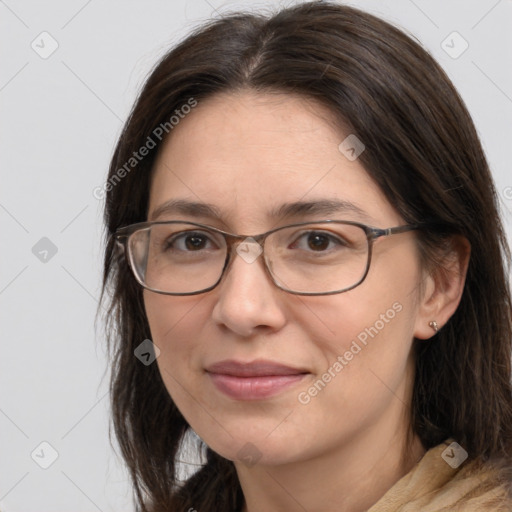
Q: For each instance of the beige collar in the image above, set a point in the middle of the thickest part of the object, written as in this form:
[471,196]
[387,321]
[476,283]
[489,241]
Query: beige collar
[433,485]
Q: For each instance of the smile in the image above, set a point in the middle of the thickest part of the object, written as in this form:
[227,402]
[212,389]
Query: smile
[253,381]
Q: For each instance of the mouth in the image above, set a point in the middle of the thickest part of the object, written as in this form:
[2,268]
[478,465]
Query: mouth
[253,381]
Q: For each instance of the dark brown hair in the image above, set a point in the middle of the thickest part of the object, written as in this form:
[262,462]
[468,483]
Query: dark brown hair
[422,150]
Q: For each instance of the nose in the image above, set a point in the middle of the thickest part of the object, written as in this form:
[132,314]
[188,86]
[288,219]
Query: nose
[248,299]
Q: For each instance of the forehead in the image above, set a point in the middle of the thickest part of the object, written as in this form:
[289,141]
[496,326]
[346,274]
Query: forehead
[248,153]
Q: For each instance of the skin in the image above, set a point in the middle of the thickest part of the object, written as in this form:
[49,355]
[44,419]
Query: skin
[248,153]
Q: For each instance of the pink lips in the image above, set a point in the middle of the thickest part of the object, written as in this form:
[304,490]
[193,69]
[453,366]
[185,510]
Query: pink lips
[253,381]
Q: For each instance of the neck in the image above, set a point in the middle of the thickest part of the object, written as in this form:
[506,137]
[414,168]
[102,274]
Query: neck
[350,478]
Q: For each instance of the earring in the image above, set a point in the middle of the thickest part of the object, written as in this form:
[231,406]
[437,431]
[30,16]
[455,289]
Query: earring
[434,325]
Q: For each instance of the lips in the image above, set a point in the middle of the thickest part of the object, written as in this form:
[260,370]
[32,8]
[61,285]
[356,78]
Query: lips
[253,381]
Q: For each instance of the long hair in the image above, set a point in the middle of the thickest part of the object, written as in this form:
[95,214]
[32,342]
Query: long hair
[422,150]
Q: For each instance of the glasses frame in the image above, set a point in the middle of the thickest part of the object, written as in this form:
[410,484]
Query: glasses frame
[123,234]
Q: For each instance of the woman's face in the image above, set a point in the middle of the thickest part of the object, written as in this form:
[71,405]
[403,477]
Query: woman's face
[348,355]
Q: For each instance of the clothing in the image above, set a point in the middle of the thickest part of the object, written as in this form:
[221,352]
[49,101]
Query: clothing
[433,485]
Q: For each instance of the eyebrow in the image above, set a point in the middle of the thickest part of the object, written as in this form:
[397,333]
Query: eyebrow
[185,207]
[318,207]
[294,209]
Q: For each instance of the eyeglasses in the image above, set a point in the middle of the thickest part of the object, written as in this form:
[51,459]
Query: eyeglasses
[308,258]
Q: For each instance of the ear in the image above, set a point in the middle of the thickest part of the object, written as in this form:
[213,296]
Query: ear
[442,289]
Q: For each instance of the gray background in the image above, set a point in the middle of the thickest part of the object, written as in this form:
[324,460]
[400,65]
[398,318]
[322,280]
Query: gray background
[60,118]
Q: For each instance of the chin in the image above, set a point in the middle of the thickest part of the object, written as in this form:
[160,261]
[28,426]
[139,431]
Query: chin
[257,448]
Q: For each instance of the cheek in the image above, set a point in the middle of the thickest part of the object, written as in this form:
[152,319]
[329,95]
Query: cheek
[179,327]
[173,318]
[364,370]
[379,313]
[364,337]
[176,324]
[356,339]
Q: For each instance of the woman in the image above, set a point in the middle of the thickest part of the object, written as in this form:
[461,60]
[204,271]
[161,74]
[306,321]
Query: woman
[302,230]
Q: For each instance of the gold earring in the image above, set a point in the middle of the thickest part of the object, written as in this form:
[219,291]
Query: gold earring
[434,325]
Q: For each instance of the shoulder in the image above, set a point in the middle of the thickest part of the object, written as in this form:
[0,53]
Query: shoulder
[448,480]
[491,479]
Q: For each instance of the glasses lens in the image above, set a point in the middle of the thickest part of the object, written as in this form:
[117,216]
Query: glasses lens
[177,258]
[318,258]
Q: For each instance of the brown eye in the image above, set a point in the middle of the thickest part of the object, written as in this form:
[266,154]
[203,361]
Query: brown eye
[318,242]
[190,241]
[195,242]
